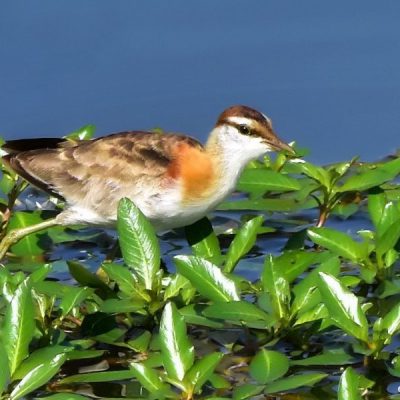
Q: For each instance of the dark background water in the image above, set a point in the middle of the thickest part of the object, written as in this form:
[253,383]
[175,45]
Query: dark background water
[327,73]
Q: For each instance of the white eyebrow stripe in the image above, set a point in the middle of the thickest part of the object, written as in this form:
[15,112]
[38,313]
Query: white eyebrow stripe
[241,121]
[268,119]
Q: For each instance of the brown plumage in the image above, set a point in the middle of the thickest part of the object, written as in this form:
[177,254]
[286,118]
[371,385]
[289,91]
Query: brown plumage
[172,178]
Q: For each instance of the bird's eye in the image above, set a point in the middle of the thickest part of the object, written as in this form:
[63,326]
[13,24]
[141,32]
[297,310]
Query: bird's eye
[244,129]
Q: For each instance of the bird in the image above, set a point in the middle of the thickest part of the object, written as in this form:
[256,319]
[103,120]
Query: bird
[172,178]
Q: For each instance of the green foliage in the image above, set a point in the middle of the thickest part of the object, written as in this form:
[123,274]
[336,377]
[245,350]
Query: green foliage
[322,299]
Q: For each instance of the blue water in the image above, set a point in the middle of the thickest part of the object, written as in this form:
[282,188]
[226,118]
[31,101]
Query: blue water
[328,74]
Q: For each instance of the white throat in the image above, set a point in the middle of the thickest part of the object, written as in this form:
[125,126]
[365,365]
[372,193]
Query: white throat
[232,151]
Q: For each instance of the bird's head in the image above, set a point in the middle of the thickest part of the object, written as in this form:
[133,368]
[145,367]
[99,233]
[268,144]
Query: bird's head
[247,131]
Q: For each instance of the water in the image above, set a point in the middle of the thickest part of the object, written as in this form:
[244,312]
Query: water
[327,74]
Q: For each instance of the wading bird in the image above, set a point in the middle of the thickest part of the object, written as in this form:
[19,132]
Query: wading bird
[172,179]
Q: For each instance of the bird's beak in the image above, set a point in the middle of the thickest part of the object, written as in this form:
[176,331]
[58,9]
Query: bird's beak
[278,145]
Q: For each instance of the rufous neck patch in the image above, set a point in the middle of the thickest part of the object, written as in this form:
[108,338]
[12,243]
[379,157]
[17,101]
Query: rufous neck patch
[195,169]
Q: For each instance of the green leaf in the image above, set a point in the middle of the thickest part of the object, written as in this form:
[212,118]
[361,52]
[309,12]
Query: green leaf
[126,281]
[376,204]
[138,241]
[317,173]
[201,371]
[242,243]
[19,325]
[87,278]
[391,321]
[65,396]
[148,378]
[104,376]
[84,133]
[343,306]
[263,180]
[328,357]
[74,297]
[203,240]
[339,243]
[267,366]
[247,391]
[177,351]
[207,278]
[5,371]
[294,381]
[277,287]
[118,306]
[389,239]
[37,377]
[237,311]
[348,385]
[193,314]
[29,245]
[38,357]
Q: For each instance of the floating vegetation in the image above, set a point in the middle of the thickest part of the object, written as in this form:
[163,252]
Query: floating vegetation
[319,318]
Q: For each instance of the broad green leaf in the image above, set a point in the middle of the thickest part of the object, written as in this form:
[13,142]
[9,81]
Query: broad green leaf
[104,376]
[19,325]
[193,314]
[242,243]
[391,321]
[138,242]
[277,287]
[122,305]
[5,371]
[203,240]
[291,264]
[84,133]
[376,204]
[373,177]
[148,377]
[268,365]
[66,396]
[37,377]
[247,391]
[263,180]
[339,243]
[38,357]
[389,239]
[126,281]
[176,285]
[87,278]
[365,180]
[176,348]
[328,357]
[389,215]
[237,311]
[29,245]
[201,371]
[306,294]
[73,298]
[207,278]
[343,306]
[317,173]
[294,382]
[348,385]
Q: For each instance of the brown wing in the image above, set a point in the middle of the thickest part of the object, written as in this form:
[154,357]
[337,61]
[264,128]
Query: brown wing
[72,171]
